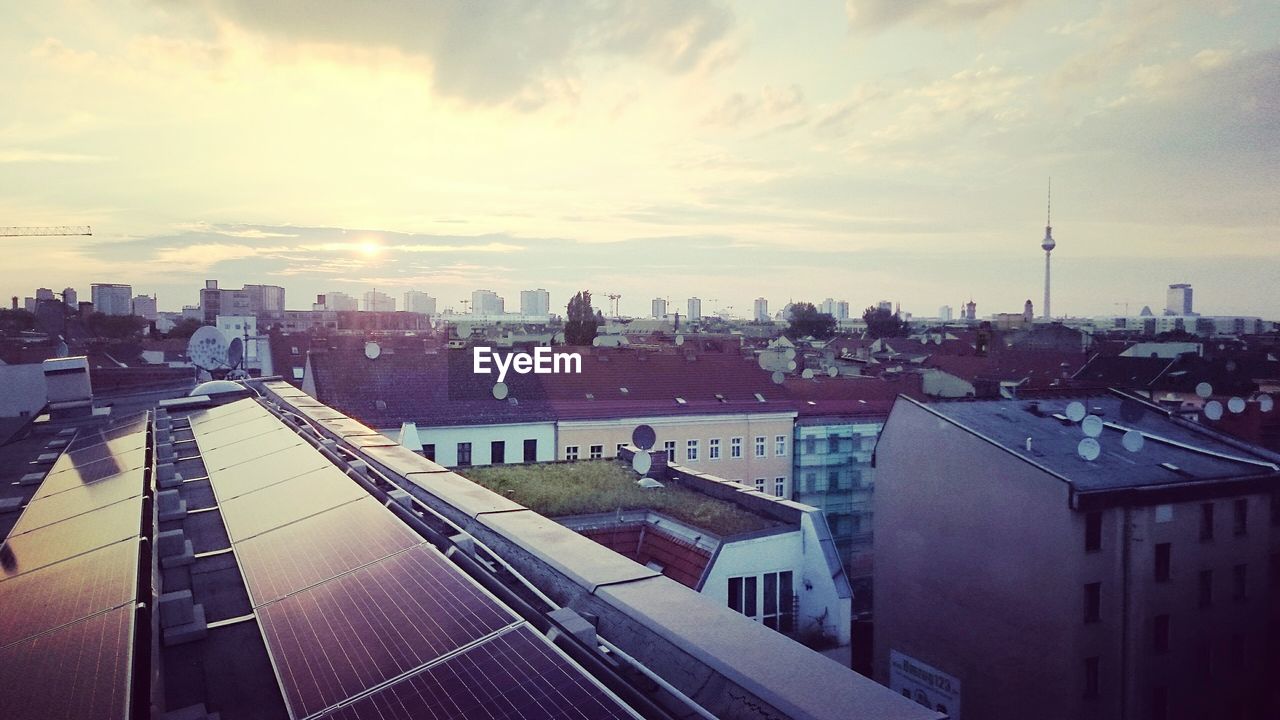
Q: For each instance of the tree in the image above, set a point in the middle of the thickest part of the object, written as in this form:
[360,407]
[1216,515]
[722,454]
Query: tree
[882,323]
[806,321]
[581,321]
[116,327]
[184,328]
[13,322]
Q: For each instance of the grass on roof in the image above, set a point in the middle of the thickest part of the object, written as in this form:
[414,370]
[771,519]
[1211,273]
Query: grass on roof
[601,486]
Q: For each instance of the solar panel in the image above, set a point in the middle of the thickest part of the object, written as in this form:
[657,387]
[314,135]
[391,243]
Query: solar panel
[250,428]
[87,438]
[341,637]
[79,671]
[66,539]
[60,479]
[297,556]
[85,498]
[286,502]
[67,591]
[515,676]
[81,456]
[200,418]
[238,479]
[253,448]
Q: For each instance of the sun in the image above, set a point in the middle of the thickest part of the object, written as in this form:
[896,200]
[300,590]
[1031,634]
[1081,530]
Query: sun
[369,248]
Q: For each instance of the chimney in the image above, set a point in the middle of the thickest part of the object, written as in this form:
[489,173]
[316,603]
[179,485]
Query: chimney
[15,302]
[67,383]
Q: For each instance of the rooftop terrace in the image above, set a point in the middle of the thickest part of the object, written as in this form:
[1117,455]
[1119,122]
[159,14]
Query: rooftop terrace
[601,486]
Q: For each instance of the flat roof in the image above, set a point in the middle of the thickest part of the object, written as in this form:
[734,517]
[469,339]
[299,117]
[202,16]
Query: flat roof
[1170,450]
[600,486]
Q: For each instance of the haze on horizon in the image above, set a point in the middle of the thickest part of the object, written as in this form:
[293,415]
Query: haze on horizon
[873,150]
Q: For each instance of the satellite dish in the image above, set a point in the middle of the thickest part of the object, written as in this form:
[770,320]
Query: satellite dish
[644,437]
[500,391]
[833,371]
[791,353]
[1213,410]
[235,352]
[1092,426]
[1075,411]
[1265,403]
[207,348]
[372,350]
[1089,449]
[62,350]
[641,462]
[1204,389]
[778,377]
[791,365]
[807,374]
[679,339]
[1133,441]
[1236,405]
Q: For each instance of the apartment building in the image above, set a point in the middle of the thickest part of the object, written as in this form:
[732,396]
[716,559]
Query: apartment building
[1086,557]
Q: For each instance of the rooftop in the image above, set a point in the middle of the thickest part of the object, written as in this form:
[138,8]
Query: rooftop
[601,486]
[1137,444]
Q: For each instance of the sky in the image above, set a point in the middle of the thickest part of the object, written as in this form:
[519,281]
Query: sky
[871,150]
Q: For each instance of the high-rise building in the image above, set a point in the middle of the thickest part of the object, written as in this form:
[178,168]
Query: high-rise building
[535,303]
[695,309]
[885,305]
[945,313]
[658,308]
[144,306]
[971,310]
[70,298]
[335,300]
[841,310]
[112,299]
[43,294]
[255,300]
[1179,300]
[416,301]
[378,301]
[762,310]
[487,302]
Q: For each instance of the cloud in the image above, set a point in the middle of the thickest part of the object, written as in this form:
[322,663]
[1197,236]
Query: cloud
[17,155]
[774,105]
[880,14]
[518,53]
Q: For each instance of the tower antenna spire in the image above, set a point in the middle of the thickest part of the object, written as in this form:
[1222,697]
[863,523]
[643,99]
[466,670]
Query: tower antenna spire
[1048,205]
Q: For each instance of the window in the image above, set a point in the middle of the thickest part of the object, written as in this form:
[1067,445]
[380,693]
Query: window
[1242,516]
[1093,532]
[1091,677]
[1206,588]
[779,486]
[1204,659]
[1240,583]
[617,451]
[760,446]
[1164,513]
[597,452]
[713,449]
[778,601]
[1206,522]
[531,450]
[691,450]
[1163,553]
[497,452]
[742,596]
[833,444]
[570,452]
[833,480]
[811,481]
[429,451]
[669,447]
[1160,635]
[1093,602]
[760,484]
[810,445]
[780,446]
[735,448]
[464,454]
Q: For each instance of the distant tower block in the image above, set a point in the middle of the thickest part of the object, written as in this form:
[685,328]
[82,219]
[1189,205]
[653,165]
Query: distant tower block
[1048,245]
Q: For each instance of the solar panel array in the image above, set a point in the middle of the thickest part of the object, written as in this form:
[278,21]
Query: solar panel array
[69,579]
[361,617]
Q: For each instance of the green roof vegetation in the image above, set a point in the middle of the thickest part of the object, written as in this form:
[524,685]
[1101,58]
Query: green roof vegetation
[601,486]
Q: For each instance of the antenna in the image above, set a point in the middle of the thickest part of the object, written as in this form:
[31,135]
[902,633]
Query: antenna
[1048,205]
[207,349]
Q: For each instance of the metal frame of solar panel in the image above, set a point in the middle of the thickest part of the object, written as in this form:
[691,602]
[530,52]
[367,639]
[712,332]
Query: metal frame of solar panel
[69,575]
[348,598]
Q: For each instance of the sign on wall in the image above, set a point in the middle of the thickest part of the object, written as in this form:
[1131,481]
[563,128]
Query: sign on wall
[924,684]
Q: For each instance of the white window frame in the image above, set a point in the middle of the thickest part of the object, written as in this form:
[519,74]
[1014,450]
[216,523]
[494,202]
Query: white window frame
[779,486]
[713,449]
[760,484]
[762,446]
[691,450]
[780,446]
[735,448]
[570,452]
[669,447]
[595,452]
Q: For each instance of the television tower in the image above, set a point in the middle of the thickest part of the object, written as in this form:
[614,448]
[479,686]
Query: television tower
[1048,244]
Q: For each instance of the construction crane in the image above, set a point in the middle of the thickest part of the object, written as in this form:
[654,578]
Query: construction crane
[613,304]
[45,231]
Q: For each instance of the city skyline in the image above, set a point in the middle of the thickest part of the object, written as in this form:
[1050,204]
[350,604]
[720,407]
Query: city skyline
[875,151]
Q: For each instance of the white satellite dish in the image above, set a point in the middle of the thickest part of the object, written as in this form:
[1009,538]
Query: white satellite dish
[1089,449]
[235,353]
[1092,426]
[500,391]
[1236,405]
[778,377]
[833,371]
[1133,440]
[807,374]
[679,339]
[1213,410]
[207,348]
[641,462]
[1266,403]
[372,350]
[1076,411]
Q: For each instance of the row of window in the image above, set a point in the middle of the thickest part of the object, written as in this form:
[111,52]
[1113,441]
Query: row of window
[779,485]
[1205,594]
[1160,643]
[497,452]
[768,599]
[693,449]
[1208,526]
